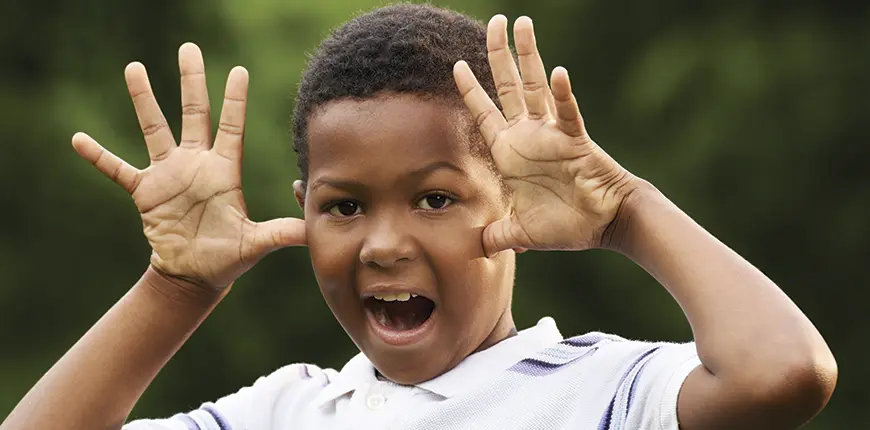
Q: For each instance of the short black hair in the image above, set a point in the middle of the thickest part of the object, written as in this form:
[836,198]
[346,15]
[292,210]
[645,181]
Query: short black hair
[401,48]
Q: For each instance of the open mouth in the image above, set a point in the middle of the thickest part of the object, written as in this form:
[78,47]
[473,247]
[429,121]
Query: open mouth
[400,312]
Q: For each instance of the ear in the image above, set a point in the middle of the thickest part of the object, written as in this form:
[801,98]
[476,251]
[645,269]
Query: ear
[299,193]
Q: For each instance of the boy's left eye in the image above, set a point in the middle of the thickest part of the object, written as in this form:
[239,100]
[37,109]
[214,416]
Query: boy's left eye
[434,202]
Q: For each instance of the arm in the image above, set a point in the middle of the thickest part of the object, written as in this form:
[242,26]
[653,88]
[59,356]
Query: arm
[765,365]
[98,381]
[194,218]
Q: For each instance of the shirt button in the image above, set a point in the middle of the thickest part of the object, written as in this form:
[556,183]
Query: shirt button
[376,401]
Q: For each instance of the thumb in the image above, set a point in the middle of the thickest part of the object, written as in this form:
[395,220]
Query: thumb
[504,234]
[278,233]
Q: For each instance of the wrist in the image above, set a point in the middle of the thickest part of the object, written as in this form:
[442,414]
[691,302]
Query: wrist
[619,234]
[180,290]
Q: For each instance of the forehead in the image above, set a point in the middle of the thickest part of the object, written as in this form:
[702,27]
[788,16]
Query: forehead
[388,132]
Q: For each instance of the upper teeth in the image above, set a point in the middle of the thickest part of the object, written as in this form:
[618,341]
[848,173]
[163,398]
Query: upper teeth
[402,297]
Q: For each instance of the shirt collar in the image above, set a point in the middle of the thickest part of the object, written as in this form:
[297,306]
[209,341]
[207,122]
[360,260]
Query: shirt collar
[356,373]
[469,373]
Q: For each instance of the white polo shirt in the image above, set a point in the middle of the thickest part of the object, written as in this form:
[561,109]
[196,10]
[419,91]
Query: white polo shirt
[535,380]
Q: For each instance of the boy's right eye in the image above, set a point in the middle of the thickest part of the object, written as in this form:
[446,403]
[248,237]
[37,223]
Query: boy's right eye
[344,209]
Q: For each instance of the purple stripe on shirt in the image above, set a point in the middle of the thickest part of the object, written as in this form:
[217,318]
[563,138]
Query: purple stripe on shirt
[634,386]
[306,374]
[536,367]
[605,422]
[222,422]
[189,422]
[584,340]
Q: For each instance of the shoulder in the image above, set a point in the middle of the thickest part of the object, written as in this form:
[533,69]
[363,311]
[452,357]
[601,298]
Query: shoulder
[642,378]
[615,346]
[296,373]
[600,380]
[292,382]
[290,386]
[603,359]
[617,359]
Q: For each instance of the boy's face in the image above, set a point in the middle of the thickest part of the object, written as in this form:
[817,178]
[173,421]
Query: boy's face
[394,207]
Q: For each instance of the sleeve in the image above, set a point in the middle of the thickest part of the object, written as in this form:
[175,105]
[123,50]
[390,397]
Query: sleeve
[237,411]
[646,397]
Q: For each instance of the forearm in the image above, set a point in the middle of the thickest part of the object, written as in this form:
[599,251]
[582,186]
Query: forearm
[95,385]
[745,327]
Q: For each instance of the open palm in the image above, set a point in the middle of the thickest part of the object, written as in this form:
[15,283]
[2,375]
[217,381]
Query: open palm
[190,197]
[566,189]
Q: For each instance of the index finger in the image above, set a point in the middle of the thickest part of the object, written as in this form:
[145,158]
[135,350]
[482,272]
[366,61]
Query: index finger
[486,115]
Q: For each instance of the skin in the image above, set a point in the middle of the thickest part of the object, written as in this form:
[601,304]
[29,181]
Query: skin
[395,236]
[770,369]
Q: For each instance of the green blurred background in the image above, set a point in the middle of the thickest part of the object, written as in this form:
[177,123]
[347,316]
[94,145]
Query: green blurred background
[751,116]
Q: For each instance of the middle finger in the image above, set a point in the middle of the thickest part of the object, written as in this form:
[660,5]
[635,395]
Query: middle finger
[196,124]
[534,78]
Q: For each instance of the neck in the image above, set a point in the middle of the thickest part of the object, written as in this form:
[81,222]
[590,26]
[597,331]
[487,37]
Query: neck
[504,328]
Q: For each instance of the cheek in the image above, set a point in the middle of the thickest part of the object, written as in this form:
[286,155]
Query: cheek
[453,243]
[489,281]
[461,234]
[333,256]
[469,279]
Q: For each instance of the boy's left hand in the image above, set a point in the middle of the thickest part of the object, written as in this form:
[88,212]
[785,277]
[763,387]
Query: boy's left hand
[566,189]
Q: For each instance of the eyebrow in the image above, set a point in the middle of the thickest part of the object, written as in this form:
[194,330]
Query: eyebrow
[352,186]
[433,167]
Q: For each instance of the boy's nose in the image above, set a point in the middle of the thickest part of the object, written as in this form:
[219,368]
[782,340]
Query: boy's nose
[387,245]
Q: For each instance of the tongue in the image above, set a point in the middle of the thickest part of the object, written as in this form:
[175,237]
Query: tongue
[405,315]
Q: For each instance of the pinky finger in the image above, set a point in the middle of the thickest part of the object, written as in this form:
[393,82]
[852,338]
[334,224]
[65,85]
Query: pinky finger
[567,112]
[113,167]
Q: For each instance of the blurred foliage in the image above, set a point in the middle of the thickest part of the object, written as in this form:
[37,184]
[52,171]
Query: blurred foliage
[750,115]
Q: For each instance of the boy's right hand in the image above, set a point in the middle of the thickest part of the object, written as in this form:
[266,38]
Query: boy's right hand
[190,197]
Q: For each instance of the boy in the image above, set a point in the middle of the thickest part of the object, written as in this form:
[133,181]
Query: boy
[415,205]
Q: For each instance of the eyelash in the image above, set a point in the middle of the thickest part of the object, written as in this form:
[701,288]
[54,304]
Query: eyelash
[450,200]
